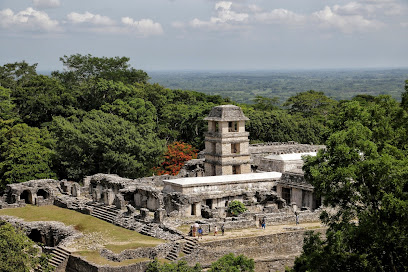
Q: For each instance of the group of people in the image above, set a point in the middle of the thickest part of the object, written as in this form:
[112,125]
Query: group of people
[197,229]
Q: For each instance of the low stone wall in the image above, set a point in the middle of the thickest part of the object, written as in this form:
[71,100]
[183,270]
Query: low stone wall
[78,264]
[159,252]
[267,248]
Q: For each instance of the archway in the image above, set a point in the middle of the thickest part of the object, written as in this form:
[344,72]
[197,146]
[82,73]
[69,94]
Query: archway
[43,193]
[36,236]
[27,196]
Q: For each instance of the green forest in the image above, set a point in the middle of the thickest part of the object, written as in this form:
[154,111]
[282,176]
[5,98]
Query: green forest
[100,115]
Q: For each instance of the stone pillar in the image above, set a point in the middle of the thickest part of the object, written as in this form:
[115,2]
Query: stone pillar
[296,196]
[75,190]
[144,214]
[119,201]
[159,215]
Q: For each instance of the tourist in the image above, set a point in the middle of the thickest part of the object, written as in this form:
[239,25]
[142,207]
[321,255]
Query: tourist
[263,223]
[200,233]
[297,218]
[222,230]
[215,230]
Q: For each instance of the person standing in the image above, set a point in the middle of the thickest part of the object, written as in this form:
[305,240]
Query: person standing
[215,230]
[297,218]
[263,223]
[222,230]
[200,233]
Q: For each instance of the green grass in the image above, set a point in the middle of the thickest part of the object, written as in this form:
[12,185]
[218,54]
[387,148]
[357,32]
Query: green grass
[184,228]
[115,238]
[94,257]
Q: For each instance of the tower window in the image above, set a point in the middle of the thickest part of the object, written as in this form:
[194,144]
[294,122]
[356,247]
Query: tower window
[236,169]
[235,148]
[232,126]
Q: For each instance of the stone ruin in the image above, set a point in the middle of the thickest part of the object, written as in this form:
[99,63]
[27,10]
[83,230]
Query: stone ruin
[267,178]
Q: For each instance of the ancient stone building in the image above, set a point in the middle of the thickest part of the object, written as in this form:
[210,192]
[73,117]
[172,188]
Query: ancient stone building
[265,177]
[226,142]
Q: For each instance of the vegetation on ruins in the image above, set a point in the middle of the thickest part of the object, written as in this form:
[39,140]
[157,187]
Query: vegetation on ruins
[230,262]
[18,253]
[236,207]
[174,158]
[227,263]
[363,172]
[180,266]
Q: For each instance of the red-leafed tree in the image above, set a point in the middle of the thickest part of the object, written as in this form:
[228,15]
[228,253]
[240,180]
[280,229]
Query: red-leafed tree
[174,158]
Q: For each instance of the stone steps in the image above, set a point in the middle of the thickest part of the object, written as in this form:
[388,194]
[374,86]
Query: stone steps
[173,254]
[190,246]
[149,230]
[103,216]
[58,256]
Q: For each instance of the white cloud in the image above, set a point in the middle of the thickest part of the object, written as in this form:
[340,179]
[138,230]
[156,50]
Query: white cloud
[46,3]
[370,8]
[28,19]
[145,27]
[226,17]
[87,17]
[280,16]
[347,23]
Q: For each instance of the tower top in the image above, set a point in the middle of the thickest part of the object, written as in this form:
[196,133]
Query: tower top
[226,113]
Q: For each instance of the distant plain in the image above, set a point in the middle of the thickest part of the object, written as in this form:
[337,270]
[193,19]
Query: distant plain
[244,86]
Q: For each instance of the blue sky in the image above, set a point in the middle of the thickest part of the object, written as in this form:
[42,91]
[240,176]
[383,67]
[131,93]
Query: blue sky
[208,34]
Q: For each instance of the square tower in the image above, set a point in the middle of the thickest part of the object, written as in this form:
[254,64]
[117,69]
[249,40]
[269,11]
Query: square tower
[226,142]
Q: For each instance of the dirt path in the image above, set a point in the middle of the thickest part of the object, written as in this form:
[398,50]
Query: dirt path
[229,234]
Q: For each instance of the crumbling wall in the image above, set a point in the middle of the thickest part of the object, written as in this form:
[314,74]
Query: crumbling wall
[37,192]
[49,233]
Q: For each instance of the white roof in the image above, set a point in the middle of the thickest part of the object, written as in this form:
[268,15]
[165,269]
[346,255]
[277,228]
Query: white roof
[199,181]
[290,156]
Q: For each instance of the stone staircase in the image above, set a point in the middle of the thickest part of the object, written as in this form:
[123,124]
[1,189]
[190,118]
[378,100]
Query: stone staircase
[104,212]
[58,256]
[173,254]
[190,246]
[149,229]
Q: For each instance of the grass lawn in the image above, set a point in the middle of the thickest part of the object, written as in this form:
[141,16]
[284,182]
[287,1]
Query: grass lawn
[96,232]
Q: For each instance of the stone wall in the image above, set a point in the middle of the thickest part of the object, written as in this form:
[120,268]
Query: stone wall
[269,247]
[78,264]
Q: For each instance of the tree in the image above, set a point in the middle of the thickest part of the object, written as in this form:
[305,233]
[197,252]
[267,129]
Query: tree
[16,74]
[176,155]
[404,101]
[363,172]
[310,103]
[80,68]
[99,142]
[40,98]
[7,106]
[232,263]
[236,207]
[18,253]
[266,103]
[26,153]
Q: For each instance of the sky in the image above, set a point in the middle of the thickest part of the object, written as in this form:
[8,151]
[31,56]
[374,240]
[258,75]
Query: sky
[164,35]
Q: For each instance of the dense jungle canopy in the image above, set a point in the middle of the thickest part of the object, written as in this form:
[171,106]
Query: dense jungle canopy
[101,115]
